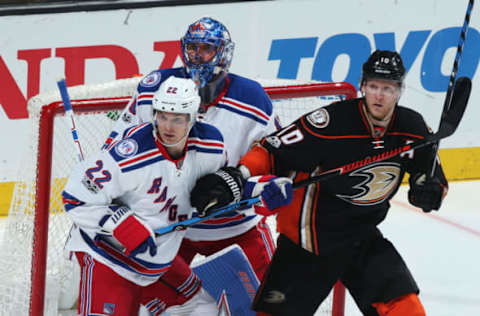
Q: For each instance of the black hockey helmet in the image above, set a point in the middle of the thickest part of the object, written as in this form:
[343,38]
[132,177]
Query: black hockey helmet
[384,64]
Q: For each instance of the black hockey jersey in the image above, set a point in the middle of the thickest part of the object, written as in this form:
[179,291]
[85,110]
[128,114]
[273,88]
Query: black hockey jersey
[346,208]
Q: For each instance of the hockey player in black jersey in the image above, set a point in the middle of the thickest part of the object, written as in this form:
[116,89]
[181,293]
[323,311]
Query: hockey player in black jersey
[329,232]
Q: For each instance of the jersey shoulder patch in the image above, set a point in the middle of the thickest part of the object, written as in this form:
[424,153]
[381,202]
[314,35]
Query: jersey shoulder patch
[136,140]
[152,81]
[338,119]
[126,148]
[319,118]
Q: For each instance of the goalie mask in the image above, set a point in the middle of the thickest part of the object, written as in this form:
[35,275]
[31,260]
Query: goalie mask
[179,96]
[384,65]
[207,50]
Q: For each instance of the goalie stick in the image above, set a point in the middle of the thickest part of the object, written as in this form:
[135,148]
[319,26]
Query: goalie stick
[62,86]
[449,123]
[67,105]
[448,96]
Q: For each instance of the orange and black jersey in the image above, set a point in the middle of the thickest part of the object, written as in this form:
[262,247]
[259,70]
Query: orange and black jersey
[339,211]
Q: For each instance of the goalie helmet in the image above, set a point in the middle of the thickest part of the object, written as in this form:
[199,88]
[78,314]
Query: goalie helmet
[385,65]
[177,95]
[213,33]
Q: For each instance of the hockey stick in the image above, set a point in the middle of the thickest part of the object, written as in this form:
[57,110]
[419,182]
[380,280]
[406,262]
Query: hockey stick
[448,96]
[195,220]
[62,86]
[448,125]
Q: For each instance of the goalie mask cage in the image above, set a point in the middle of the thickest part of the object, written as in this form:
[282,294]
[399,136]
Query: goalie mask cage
[36,277]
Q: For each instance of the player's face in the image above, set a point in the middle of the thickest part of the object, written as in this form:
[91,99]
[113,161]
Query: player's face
[381,97]
[172,127]
[200,53]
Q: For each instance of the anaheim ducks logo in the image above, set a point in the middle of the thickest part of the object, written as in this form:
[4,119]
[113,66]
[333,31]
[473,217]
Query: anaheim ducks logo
[380,181]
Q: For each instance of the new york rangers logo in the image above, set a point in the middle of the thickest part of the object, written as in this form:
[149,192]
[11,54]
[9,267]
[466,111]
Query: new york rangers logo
[108,308]
[126,148]
[151,80]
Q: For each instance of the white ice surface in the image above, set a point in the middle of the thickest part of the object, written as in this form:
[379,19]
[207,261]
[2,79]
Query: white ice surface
[442,250]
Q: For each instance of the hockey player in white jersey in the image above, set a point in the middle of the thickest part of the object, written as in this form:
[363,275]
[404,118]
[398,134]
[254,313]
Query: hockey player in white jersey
[118,197]
[240,109]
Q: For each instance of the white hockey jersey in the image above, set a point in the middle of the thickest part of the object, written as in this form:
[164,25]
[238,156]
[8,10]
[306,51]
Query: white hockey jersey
[243,113]
[139,173]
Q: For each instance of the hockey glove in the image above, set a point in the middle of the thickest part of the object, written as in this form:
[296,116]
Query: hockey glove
[426,193]
[130,231]
[217,189]
[274,192]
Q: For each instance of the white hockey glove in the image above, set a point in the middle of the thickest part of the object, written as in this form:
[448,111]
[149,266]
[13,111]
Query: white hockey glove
[274,192]
[135,235]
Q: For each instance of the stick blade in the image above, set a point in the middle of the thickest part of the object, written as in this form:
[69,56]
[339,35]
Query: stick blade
[454,114]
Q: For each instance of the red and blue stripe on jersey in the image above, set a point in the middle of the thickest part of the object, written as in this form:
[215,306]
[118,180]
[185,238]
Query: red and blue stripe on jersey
[202,138]
[252,105]
[244,109]
[117,257]
[70,202]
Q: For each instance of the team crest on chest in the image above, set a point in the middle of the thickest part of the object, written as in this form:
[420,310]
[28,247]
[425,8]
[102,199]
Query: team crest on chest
[380,180]
[319,118]
[126,148]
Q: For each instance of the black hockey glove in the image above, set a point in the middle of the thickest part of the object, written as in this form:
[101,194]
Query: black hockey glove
[217,189]
[426,193]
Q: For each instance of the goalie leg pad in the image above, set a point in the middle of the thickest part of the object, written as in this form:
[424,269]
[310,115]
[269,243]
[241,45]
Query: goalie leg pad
[229,278]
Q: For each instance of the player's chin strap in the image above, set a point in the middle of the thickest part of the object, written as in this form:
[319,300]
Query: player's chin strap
[448,126]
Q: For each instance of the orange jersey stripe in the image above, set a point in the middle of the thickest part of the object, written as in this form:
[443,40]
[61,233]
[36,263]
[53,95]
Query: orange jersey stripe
[289,217]
[258,161]
[314,215]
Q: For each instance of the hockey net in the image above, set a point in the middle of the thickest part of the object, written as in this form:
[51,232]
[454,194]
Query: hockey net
[36,279]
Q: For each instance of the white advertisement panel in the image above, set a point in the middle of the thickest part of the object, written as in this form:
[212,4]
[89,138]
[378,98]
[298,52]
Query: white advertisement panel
[319,40]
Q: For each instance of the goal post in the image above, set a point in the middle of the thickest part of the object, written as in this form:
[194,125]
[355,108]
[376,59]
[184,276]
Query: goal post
[43,186]
[33,261]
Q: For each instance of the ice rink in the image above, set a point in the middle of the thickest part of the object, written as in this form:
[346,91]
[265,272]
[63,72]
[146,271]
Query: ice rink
[442,250]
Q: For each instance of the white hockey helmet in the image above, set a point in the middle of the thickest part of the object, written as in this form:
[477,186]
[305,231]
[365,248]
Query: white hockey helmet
[177,95]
